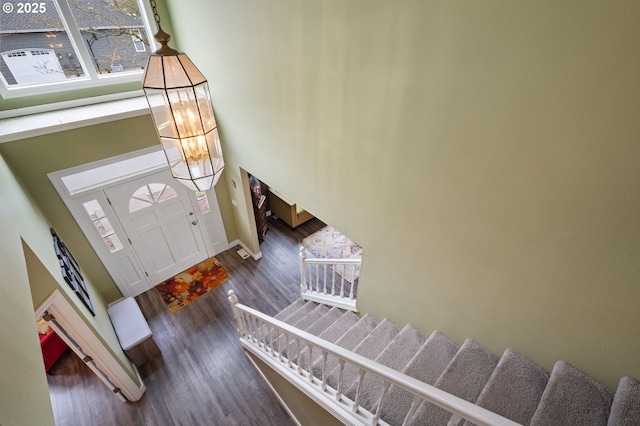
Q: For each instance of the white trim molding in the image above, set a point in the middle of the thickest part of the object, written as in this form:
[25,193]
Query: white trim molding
[69,325]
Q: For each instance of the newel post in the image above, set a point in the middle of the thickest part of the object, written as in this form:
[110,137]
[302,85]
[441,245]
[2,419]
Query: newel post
[303,274]
[233,300]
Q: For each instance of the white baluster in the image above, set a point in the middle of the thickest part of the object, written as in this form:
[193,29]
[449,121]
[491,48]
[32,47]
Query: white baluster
[356,403]
[353,280]
[309,353]
[385,389]
[454,420]
[289,362]
[333,280]
[340,371]
[324,370]
[412,410]
[298,355]
[324,279]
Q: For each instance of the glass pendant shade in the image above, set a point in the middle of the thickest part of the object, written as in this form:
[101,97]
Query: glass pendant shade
[180,104]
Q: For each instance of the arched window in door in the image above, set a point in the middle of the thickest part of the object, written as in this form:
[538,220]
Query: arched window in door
[150,194]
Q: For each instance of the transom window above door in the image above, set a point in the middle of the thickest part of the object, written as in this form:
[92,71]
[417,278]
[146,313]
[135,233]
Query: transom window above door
[150,194]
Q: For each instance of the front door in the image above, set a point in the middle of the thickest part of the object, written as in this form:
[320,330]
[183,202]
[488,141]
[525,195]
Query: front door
[157,215]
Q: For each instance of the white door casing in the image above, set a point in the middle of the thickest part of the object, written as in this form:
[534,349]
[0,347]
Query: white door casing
[158,216]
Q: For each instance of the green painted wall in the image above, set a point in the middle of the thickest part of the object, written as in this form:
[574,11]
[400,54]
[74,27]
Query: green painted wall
[24,396]
[484,153]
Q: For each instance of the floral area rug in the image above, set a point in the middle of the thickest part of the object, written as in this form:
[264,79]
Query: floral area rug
[187,286]
[331,244]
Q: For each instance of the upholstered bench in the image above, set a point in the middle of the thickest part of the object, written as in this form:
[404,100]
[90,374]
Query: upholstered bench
[133,331]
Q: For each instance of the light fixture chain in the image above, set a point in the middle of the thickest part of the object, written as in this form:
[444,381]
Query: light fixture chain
[154,7]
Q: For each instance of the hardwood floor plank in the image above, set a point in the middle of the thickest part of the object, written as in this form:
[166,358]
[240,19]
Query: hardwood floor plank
[202,377]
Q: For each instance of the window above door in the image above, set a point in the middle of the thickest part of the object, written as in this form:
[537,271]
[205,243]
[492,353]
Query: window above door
[59,45]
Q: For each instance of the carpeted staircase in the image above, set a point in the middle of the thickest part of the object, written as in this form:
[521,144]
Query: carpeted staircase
[511,385]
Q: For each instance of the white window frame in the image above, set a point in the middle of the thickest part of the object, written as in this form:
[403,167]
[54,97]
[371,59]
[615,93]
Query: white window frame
[137,42]
[92,79]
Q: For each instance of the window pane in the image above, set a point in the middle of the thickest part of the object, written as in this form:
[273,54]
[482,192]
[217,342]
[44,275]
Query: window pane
[35,47]
[113,243]
[102,224]
[203,202]
[114,33]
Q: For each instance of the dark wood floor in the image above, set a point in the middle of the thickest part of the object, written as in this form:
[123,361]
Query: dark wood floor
[203,377]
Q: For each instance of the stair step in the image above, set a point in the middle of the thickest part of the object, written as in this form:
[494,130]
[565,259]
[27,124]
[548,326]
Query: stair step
[515,388]
[332,333]
[329,317]
[311,317]
[572,398]
[625,409]
[465,376]
[396,355]
[289,310]
[349,341]
[370,347]
[340,327]
[426,365]
[300,313]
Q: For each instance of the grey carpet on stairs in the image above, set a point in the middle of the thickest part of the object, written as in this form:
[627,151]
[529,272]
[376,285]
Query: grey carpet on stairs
[396,355]
[297,304]
[296,313]
[572,398]
[311,317]
[514,389]
[331,334]
[625,410]
[349,341]
[336,330]
[369,347]
[465,376]
[426,365]
[329,318]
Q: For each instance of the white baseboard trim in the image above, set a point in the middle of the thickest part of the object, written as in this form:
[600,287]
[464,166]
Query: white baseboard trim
[273,390]
[241,244]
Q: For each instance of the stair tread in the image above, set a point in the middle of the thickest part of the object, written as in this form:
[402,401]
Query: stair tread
[300,313]
[310,317]
[625,409]
[297,304]
[340,327]
[515,388]
[322,323]
[349,340]
[369,347]
[314,323]
[465,376]
[426,365]
[331,333]
[396,355]
[572,397]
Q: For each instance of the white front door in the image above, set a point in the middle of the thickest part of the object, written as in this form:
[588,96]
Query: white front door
[158,217]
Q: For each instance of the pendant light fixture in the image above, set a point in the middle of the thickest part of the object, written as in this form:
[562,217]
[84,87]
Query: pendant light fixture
[180,104]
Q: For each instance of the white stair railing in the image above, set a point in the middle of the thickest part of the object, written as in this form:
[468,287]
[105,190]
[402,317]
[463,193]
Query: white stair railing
[332,282]
[279,345]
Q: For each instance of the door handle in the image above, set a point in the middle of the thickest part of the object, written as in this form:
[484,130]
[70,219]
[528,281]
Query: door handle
[194,223]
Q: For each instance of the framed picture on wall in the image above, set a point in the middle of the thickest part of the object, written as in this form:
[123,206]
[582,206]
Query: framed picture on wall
[71,271]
